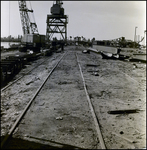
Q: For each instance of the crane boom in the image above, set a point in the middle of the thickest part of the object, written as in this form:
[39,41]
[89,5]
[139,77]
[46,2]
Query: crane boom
[28,27]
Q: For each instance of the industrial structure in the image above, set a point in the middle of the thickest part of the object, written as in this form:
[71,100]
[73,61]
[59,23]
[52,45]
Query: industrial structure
[31,38]
[28,27]
[118,42]
[56,22]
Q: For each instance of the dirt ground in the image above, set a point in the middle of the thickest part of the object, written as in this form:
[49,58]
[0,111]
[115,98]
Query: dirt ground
[60,115]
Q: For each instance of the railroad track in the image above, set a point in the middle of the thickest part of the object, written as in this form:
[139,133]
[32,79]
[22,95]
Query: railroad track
[95,119]
[102,143]
[27,107]
[11,65]
[4,88]
[117,69]
[38,92]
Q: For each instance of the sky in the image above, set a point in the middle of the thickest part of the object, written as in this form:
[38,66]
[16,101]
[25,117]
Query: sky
[103,20]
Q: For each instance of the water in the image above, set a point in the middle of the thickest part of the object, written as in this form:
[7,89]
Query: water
[7,44]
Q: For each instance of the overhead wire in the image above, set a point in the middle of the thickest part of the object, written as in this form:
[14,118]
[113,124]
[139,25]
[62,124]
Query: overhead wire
[9,23]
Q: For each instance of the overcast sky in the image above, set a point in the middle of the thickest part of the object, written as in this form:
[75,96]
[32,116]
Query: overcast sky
[103,20]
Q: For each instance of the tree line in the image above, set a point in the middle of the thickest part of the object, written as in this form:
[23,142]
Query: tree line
[11,39]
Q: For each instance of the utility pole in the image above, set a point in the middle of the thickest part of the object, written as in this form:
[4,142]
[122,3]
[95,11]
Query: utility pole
[135,35]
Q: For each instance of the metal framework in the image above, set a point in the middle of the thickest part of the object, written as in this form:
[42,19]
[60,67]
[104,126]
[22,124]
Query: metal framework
[56,24]
[28,27]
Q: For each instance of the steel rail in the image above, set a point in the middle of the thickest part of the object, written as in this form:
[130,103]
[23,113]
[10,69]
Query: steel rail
[28,105]
[91,108]
[3,89]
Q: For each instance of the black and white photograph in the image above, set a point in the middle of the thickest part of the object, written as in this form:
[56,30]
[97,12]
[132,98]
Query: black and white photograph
[73,74]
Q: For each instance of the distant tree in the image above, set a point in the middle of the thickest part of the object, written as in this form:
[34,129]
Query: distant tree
[93,39]
[79,38]
[70,37]
[19,36]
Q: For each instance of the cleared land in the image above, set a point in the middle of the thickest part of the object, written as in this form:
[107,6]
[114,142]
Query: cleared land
[60,115]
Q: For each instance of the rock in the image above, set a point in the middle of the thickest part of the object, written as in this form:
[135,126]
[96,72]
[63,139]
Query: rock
[7,107]
[37,78]
[96,74]
[41,104]
[59,118]
[16,103]
[29,83]
[82,141]
[134,66]
[16,113]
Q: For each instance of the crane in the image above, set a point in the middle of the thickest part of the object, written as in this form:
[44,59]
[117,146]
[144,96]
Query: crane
[31,38]
[56,25]
[28,27]
[60,3]
[56,22]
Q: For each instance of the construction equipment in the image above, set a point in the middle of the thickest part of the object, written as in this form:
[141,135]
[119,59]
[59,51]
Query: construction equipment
[56,22]
[28,27]
[31,38]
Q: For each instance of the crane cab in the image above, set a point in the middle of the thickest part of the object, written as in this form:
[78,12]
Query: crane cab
[57,9]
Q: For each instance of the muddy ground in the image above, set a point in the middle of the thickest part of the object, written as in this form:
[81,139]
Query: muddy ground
[60,116]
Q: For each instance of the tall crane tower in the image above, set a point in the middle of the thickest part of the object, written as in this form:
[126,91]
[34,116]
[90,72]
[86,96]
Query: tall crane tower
[28,27]
[56,22]
[31,38]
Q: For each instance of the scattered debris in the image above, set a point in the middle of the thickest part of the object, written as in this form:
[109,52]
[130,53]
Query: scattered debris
[41,104]
[92,71]
[17,113]
[92,65]
[93,50]
[16,103]
[59,118]
[86,51]
[36,78]
[134,66]
[29,82]
[29,51]
[96,74]
[106,55]
[121,132]
[124,111]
